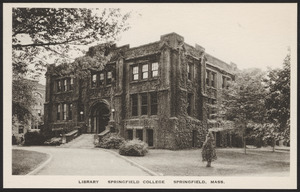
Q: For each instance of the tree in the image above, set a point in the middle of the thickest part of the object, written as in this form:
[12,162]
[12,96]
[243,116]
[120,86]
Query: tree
[40,34]
[22,97]
[243,101]
[278,99]
[44,35]
[278,104]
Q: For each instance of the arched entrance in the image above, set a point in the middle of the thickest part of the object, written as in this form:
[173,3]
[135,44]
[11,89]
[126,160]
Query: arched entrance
[100,114]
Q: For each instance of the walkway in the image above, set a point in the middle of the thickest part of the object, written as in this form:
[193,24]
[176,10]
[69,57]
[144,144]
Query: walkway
[72,161]
[83,141]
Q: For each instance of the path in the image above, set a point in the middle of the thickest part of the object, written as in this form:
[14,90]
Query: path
[80,157]
[73,161]
[83,141]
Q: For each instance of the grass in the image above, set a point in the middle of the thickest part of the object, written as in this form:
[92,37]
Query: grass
[24,161]
[230,162]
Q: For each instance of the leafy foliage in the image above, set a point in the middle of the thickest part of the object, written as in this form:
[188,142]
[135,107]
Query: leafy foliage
[111,141]
[53,141]
[243,102]
[33,138]
[133,148]
[278,99]
[22,97]
[40,34]
[57,35]
[259,104]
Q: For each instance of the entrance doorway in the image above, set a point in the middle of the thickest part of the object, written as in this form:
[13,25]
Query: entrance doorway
[100,114]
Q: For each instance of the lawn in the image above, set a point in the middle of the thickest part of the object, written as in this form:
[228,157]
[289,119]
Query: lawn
[230,162]
[24,161]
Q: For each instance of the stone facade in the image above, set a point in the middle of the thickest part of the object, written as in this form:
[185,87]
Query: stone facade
[155,92]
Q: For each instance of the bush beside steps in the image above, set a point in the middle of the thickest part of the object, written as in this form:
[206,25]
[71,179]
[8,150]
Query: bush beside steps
[133,148]
[111,141]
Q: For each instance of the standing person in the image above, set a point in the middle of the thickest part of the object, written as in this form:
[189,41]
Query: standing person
[208,150]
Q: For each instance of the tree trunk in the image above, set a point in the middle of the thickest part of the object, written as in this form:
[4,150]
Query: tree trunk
[245,145]
[274,143]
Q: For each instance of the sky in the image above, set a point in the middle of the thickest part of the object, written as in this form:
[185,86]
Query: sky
[250,35]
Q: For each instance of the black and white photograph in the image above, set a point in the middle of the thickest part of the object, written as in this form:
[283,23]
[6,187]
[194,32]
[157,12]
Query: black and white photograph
[150,95]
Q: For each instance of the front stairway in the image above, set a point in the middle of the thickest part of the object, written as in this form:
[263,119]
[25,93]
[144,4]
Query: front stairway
[82,141]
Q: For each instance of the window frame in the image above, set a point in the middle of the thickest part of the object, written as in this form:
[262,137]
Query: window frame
[190,98]
[58,112]
[58,86]
[135,73]
[101,81]
[154,70]
[144,72]
[134,105]
[94,82]
[144,106]
[70,111]
[213,79]
[64,111]
[153,104]
[108,80]
[190,73]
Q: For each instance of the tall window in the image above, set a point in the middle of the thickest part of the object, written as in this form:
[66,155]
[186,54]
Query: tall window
[109,77]
[213,76]
[39,112]
[64,111]
[213,103]
[64,86]
[207,78]
[190,71]
[70,111]
[134,105]
[144,106]
[190,102]
[58,83]
[154,70]
[145,71]
[223,81]
[101,79]
[58,112]
[135,72]
[71,83]
[94,80]
[153,103]
[130,134]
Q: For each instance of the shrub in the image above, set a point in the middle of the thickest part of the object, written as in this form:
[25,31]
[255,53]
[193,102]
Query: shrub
[111,141]
[53,141]
[33,138]
[133,148]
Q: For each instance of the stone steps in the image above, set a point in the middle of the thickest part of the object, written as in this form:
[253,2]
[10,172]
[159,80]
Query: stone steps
[82,141]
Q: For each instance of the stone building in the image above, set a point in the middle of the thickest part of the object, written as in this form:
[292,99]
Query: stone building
[155,92]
